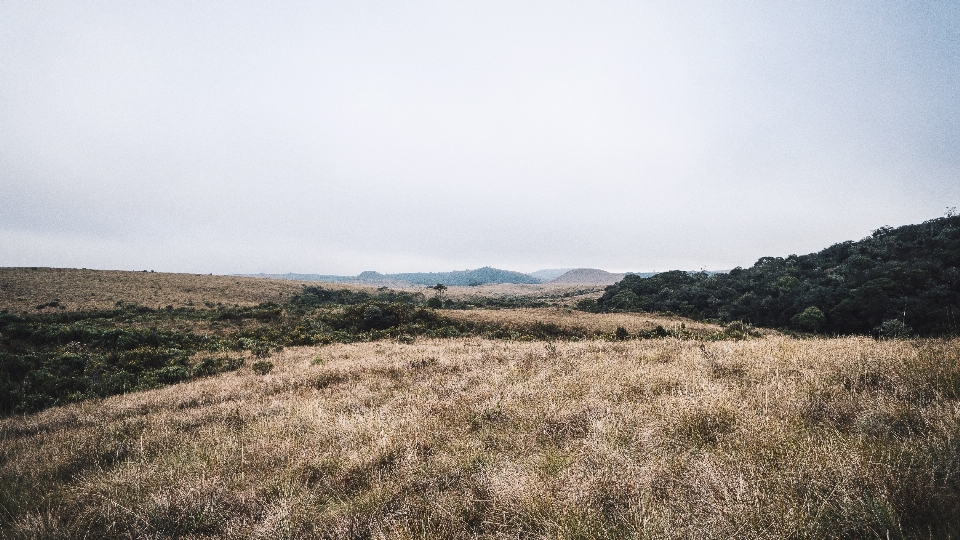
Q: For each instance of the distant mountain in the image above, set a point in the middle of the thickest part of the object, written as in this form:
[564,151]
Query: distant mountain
[480,276]
[588,276]
[303,277]
[549,274]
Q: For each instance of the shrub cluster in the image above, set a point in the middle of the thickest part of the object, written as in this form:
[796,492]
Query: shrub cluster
[894,283]
[56,358]
[48,360]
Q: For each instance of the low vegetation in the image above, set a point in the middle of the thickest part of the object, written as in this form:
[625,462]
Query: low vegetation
[58,357]
[665,408]
[770,437]
[49,359]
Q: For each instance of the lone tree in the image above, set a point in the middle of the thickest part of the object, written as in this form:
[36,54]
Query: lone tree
[437,301]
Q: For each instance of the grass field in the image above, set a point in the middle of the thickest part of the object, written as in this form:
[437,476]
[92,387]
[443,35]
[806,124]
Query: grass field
[705,433]
[23,289]
[771,437]
[579,322]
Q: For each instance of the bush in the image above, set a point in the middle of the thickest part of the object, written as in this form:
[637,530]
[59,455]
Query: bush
[587,304]
[894,328]
[811,319]
[262,367]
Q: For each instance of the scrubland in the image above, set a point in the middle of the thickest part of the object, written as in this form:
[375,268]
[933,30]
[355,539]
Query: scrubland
[581,323]
[768,437]
[23,289]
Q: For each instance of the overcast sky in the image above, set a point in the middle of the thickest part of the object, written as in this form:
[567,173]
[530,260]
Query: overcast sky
[336,137]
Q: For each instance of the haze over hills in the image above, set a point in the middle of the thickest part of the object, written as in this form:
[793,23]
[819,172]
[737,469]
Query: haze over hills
[550,274]
[593,276]
[480,276]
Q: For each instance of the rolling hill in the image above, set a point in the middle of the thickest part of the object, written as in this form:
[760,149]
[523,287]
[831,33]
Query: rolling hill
[894,282]
[479,276]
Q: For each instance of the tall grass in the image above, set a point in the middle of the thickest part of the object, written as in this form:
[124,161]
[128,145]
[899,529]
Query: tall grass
[765,438]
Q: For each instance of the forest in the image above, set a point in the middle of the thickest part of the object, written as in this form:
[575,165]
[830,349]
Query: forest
[896,282]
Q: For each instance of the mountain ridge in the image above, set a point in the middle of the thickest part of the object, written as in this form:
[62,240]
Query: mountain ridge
[479,276]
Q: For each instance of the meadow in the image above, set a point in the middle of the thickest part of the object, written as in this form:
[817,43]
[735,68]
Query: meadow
[72,289]
[770,437]
[530,423]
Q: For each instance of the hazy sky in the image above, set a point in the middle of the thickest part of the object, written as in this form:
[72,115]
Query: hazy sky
[335,137]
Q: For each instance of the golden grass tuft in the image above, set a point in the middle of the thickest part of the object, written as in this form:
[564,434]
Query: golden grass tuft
[772,437]
[580,322]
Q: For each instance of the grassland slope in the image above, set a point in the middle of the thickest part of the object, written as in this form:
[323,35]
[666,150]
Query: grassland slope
[23,289]
[591,276]
[472,438]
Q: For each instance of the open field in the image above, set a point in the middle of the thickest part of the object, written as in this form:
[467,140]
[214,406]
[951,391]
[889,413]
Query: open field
[579,322]
[771,437]
[23,289]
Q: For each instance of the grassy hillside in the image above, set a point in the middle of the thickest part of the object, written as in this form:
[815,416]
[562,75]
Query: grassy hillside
[588,275]
[51,356]
[471,438]
[70,289]
[894,282]
[354,412]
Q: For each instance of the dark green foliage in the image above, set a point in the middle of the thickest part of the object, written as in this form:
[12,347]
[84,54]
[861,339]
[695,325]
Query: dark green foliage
[811,319]
[313,297]
[262,367]
[495,302]
[47,360]
[51,359]
[318,296]
[896,281]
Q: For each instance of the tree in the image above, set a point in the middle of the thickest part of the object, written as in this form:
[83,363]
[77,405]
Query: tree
[437,301]
[811,319]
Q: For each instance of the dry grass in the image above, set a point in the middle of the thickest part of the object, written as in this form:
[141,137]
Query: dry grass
[22,289]
[765,438]
[590,324]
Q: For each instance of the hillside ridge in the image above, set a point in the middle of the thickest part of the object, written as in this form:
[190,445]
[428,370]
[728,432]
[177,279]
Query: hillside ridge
[893,283]
[479,276]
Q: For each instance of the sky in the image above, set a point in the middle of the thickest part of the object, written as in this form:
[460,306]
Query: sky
[337,137]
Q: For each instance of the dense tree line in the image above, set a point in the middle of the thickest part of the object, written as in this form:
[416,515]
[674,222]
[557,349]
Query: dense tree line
[897,281]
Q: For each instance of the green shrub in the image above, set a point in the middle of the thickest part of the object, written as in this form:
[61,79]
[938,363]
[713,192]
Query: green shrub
[811,319]
[262,367]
